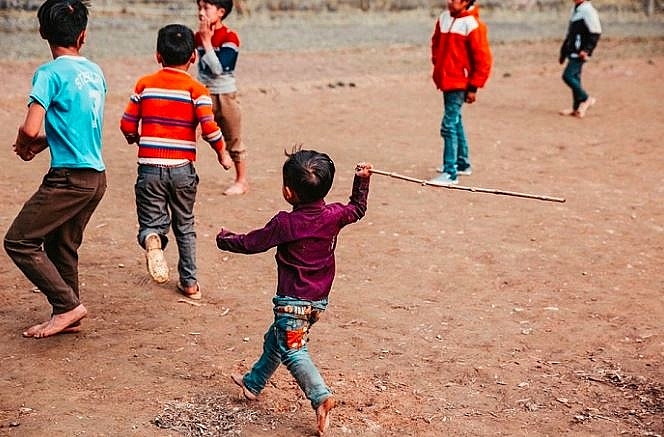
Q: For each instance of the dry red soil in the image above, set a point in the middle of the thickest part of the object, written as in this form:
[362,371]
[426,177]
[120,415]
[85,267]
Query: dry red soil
[452,313]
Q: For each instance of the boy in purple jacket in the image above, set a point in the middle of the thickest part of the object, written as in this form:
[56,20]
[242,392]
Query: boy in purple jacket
[305,239]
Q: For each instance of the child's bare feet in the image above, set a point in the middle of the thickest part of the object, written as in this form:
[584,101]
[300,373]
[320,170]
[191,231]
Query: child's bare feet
[323,415]
[65,323]
[237,379]
[71,329]
[237,188]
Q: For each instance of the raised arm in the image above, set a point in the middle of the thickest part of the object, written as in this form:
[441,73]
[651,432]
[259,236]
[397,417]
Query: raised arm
[357,206]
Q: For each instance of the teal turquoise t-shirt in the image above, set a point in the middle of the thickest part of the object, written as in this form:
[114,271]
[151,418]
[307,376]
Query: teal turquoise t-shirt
[72,89]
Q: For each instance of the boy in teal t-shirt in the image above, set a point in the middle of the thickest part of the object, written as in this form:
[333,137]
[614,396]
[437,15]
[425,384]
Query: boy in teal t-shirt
[67,96]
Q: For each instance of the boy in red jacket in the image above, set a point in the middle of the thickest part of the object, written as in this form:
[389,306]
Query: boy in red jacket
[461,60]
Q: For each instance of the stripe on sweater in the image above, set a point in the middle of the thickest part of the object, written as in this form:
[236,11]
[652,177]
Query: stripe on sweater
[165,94]
[167,144]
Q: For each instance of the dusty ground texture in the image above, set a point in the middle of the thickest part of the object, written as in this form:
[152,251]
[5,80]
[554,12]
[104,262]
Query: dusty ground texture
[453,313]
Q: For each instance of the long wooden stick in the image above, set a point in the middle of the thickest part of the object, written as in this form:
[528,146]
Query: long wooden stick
[473,189]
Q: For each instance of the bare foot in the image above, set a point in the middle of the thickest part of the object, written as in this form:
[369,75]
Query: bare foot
[65,323]
[71,329]
[237,378]
[323,415]
[567,112]
[236,189]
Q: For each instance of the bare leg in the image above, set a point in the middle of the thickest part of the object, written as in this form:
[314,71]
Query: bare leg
[240,186]
[228,116]
[65,323]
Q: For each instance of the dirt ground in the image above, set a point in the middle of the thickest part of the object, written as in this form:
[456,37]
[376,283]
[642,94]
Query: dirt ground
[452,313]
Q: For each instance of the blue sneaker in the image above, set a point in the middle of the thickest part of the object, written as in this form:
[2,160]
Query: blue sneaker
[442,180]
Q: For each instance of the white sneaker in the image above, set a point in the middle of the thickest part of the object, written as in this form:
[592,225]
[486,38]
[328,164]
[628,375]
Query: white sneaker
[466,172]
[442,180]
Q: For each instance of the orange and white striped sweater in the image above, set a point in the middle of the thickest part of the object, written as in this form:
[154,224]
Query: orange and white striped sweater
[169,105]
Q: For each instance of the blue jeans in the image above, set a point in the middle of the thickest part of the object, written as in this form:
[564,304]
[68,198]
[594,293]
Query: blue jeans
[572,77]
[286,342]
[165,197]
[455,149]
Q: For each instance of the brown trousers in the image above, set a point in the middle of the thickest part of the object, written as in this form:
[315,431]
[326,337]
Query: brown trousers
[44,238]
[228,115]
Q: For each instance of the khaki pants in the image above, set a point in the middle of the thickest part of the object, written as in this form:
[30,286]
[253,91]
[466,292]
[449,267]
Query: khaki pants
[228,116]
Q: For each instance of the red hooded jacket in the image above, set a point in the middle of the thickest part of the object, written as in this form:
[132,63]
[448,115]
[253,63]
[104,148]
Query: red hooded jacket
[460,51]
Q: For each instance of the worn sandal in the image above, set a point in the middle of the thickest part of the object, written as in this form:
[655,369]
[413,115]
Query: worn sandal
[196,295]
[154,256]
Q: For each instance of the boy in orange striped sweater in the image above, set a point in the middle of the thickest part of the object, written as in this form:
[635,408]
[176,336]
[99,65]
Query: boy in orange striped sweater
[169,105]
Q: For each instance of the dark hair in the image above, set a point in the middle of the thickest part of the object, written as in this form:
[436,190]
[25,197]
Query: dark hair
[226,5]
[62,21]
[309,174]
[175,44]
[470,3]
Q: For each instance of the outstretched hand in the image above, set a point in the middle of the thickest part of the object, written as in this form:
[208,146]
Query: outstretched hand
[223,233]
[363,169]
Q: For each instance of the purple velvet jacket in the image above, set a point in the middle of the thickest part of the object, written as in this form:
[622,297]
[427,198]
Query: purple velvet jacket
[305,239]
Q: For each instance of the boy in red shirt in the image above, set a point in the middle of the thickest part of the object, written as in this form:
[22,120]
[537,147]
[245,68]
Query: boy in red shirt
[169,105]
[461,64]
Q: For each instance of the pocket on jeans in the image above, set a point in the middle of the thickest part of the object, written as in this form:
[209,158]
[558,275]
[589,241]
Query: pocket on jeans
[296,339]
[187,183]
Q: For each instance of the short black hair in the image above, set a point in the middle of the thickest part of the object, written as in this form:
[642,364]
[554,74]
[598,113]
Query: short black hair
[175,44]
[309,174]
[227,5]
[62,21]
